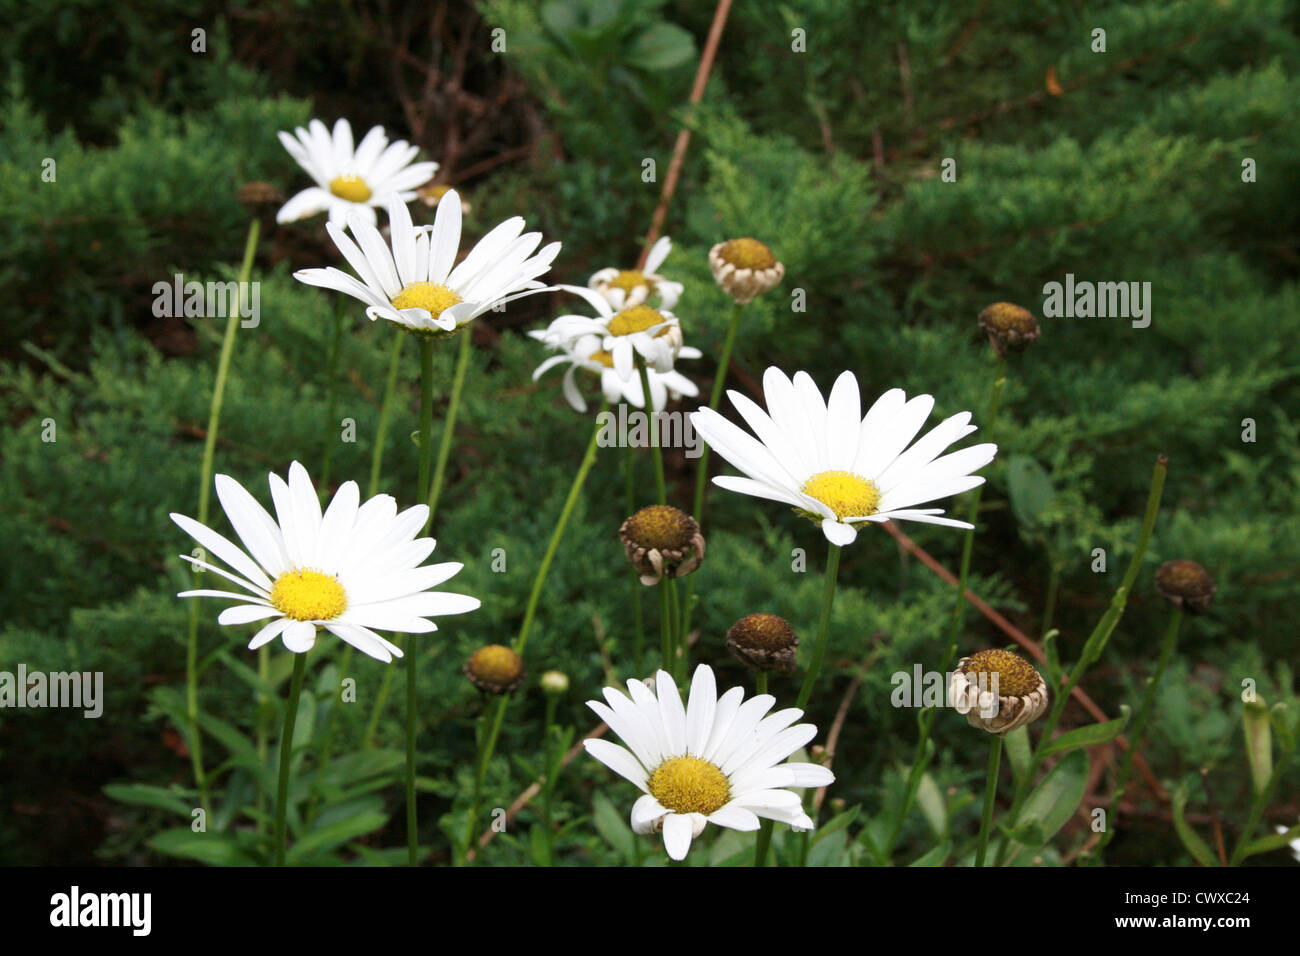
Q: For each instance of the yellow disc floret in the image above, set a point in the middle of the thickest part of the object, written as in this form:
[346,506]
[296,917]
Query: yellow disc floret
[629,279]
[633,320]
[690,785]
[1016,677]
[604,358]
[307,595]
[352,188]
[747,254]
[846,494]
[430,296]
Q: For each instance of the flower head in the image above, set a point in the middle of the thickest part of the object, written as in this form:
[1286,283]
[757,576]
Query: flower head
[997,690]
[1187,584]
[351,180]
[351,570]
[836,468]
[662,541]
[624,334]
[763,642]
[495,669]
[417,284]
[624,288]
[717,760]
[744,268]
[1010,328]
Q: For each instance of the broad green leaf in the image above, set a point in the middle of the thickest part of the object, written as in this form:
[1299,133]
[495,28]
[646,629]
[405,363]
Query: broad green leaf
[611,825]
[936,857]
[329,837]
[1089,736]
[1051,804]
[839,822]
[930,799]
[1018,751]
[1274,842]
[662,47]
[212,848]
[147,795]
[1029,488]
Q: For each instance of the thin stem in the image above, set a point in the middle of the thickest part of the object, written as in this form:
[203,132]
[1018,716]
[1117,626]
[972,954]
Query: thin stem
[449,424]
[1137,735]
[657,453]
[286,755]
[205,497]
[331,404]
[666,642]
[766,826]
[823,626]
[521,642]
[1053,584]
[637,609]
[385,414]
[990,797]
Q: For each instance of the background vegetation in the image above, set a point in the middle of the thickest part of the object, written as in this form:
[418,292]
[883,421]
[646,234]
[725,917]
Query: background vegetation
[1120,166]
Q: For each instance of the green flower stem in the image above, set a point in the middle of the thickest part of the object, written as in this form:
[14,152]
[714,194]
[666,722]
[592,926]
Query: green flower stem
[681,653]
[487,743]
[1136,736]
[990,797]
[332,402]
[637,609]
[823,626]
[666,641]
[449,424]
[1091,650]
[1262,799]
[408,645]
[765,826]
[205,496]
[925,720]
[286,755]
[657,453]
[702,469]
[385,415]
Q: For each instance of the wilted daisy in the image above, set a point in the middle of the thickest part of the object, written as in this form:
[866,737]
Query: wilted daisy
[997,690]
[838,468]
[586,353]
[625,288]
[417,284]
[355,568]
[653,334]
[717,760]
[348,179]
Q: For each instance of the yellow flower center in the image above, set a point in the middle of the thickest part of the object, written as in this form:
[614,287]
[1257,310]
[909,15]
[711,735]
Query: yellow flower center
[306,595]
[352,188]
[495,664]
[1016,676]
[603,357]
[430,296]
[747,254]
[662,527]
[629,279]
[846,494]
[690,785]
[633,320]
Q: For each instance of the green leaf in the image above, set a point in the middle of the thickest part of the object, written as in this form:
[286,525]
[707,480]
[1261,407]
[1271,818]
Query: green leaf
[1030,489]
[611,825]
[930,799]
[936,857]
[329,837]
[1258,732]
[1197,847]
[1050,805]
[1274,842]
[1089,736]
[1018,751]
[146,795]
[839,822]
[1053,654]
[662,47]
[213,848]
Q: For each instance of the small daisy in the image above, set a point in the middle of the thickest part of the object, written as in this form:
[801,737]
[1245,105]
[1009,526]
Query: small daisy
[837,468]
[351,569]
[350,179]
[415,285]
[653,334]
[717,760]
[586,353]
[624,288]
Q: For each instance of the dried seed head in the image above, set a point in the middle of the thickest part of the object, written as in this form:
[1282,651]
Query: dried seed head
[495,669]
[1010,327]
[764,642]
[744,268]
[662,541]
[997,690]
[1187,584]
[259,198]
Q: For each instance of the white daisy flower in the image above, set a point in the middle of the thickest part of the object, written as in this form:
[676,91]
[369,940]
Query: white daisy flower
[718,760]
[653,334]
[347,179]
[624,288]
[417,283]
[586,353]
[351,569]
[837,468]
